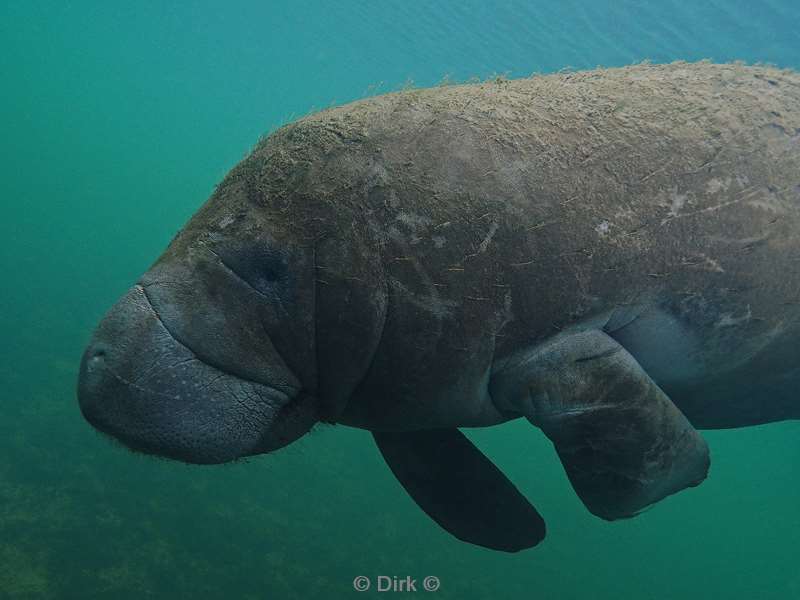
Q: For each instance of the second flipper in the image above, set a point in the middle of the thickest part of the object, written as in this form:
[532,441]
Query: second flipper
[461,489]
[623,443]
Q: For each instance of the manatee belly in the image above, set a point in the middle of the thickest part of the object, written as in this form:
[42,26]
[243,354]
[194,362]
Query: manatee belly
[720,377]
[465,402]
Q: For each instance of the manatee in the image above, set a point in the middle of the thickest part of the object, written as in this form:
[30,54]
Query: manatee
[613,255]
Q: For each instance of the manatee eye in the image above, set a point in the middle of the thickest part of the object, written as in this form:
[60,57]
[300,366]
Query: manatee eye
[264,267]
[273,267]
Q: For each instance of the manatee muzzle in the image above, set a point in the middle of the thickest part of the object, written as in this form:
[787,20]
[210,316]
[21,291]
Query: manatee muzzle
[140,384]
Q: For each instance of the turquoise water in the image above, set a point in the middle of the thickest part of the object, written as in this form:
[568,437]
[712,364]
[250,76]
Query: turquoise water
[116,123]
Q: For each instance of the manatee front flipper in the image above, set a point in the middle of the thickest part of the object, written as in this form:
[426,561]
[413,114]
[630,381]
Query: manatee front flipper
[460,489]
[623,443]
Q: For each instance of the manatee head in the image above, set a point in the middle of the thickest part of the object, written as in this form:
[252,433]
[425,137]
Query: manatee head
[212,355]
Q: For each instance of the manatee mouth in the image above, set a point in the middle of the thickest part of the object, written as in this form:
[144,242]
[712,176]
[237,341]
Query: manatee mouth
[140,384]
[207,358]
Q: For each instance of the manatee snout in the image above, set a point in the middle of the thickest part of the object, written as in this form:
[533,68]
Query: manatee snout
[182,367]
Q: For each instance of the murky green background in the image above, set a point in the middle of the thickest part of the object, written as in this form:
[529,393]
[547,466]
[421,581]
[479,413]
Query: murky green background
[116,120]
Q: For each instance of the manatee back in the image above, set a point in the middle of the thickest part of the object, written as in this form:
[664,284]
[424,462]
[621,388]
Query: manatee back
[507,211]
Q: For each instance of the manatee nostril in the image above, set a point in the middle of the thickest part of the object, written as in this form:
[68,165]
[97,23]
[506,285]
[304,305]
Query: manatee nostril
[96,357]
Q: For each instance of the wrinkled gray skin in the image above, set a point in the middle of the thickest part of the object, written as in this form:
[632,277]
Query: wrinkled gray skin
[374,265]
